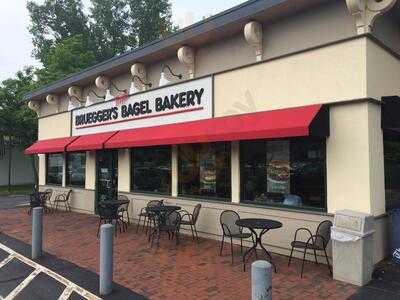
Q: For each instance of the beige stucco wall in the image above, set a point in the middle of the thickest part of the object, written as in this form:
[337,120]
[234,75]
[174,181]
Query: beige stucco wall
[383,71]
[329,74]
[124,170]
[355,159]
[54,126]
[90,176]
[42,169]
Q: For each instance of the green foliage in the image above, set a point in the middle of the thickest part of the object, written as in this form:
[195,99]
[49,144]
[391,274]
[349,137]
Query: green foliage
[68,56]
[54,21]
[17,122]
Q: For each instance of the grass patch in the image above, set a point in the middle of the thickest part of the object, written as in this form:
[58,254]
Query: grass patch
[24,189]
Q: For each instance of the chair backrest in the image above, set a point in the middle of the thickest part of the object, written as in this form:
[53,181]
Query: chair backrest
[228,220]
[324,230]
[107,211]
[173,219]
[123,198]
[196,212]
[49,193]
[68,194]
[153,203]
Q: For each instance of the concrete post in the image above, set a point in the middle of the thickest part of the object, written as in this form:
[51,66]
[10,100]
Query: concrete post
[261,280]
[37,230]
[106,258]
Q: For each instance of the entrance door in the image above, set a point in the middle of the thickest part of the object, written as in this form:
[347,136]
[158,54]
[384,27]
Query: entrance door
[107,176]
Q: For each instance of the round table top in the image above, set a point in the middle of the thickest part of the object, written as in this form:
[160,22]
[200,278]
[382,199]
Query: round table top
[163,208]
[113,203]
[259,223]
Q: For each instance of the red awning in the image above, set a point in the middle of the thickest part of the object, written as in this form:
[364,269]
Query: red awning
[90,142]
[50,146]
[310,120]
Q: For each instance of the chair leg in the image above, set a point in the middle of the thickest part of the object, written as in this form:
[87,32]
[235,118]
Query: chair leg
[191,228]
[127,214]
[98,228]
[138,224]
[195,231]
[222,245]
[304,259]
[241,245]
[315,256]
[290,257]
[232,250]
[327,261]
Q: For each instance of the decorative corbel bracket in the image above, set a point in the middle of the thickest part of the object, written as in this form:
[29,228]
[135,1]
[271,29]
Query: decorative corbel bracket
[365,12]
[52,99]
[186,57]
[35,106]
[253,33]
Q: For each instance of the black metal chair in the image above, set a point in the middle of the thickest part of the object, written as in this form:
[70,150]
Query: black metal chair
[36,200]
[108,214]
[190,219]
[148,216]
[171,225]
[228,220]
[62,200]
[47,205]
[317,242]
[123,210]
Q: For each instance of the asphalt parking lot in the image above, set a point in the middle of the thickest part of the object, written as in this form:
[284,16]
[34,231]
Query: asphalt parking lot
[7,202]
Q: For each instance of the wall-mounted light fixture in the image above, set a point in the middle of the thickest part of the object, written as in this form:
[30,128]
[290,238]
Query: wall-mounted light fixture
[164,79]
[89,101]
[135,88]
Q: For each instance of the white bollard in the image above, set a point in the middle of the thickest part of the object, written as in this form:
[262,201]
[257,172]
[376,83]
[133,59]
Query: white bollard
[261,280]
[106,258]
[37,232]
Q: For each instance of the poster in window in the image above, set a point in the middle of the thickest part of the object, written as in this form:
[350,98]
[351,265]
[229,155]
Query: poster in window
[208,184]
[278,167]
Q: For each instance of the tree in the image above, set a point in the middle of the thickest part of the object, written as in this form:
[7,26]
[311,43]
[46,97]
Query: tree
[110,25]
[65,57]
[18,124]
[151,19]
[54,21]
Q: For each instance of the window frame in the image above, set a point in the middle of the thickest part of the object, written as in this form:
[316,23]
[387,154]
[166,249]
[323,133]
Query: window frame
[132,172]
[47,169]
[323,209]
[228,199]
[67,176]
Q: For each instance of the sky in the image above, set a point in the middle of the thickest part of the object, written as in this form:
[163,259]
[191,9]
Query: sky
[16,46]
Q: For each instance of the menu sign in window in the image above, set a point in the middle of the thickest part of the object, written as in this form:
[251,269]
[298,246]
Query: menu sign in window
[184,102]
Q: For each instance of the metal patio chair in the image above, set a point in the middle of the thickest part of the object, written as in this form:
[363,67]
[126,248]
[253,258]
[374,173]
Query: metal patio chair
[228,220]
[62,200]
[123,210]
[47,205]
[317,242]
[147,216]
[190,219]
[108,214]
[171,225]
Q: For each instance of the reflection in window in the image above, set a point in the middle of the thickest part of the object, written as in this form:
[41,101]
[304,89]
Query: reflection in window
[54,169]
[289,173]
[392,170]
[151,170]
[76,169]
[204,170]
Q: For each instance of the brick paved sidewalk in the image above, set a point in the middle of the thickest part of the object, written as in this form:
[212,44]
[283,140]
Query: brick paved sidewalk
[190,271]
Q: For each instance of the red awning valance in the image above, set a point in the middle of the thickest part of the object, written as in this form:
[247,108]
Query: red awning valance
[90,142]
[310,120]
[50,146]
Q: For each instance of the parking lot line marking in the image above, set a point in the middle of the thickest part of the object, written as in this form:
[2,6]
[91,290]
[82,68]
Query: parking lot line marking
[39,268]
[6,261]
[22,285]
[66,293]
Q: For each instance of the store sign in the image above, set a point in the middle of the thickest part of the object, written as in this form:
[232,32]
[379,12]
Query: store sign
[184,102]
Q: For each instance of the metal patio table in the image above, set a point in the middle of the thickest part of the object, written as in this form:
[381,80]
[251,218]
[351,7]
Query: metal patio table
[263,225]
[161,211]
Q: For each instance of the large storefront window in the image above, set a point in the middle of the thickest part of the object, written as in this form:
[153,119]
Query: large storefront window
[392,171]
[76,169]
[151,172]
[284,173]
[54,169]
[205,170]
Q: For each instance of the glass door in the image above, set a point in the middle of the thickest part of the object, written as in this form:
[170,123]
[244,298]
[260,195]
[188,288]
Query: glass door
[107,176]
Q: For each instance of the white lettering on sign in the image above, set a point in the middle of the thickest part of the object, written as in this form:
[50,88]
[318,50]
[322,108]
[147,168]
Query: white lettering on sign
[184,102]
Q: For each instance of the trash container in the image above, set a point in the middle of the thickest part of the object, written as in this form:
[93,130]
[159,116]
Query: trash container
[352,247]
[395,229]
